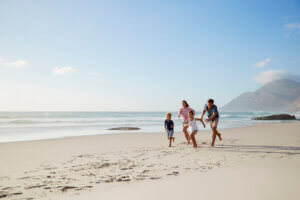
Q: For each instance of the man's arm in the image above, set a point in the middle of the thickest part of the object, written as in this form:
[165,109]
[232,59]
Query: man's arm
[203,112]
[199,119]
[211,117]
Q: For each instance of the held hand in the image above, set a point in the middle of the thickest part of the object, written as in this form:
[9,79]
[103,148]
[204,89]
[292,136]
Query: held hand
[202,123]
[206,121]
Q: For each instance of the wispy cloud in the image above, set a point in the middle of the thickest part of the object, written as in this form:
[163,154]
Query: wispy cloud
[293,26]
[262,63]
[272,75]
[16,63]
[62,70]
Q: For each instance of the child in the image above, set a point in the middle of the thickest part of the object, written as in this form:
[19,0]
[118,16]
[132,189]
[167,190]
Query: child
[191,122]
[169,127]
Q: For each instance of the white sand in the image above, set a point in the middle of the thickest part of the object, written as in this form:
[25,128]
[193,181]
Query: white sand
[261,162]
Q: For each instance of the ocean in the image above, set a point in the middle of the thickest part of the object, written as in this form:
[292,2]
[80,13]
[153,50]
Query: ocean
[23,126]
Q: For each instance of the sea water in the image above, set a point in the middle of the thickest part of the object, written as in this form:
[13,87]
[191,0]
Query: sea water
[22,126]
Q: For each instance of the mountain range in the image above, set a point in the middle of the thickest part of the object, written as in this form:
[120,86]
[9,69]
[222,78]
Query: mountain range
[278,96]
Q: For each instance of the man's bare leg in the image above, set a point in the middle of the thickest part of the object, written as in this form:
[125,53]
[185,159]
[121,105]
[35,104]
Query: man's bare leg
[219,135]
[214,135]
[170,139]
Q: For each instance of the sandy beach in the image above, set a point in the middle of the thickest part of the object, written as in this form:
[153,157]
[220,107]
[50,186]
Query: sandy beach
[258,162]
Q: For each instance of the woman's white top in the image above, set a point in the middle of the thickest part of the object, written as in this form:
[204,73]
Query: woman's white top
[193,125]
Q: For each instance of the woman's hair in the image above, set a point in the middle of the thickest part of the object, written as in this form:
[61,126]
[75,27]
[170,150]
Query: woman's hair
[210,101]
[186,103]
[168,114]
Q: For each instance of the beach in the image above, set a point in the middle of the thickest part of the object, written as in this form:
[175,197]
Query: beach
[255,162]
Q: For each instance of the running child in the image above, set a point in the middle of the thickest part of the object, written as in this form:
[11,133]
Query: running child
[169,128]
[191,122]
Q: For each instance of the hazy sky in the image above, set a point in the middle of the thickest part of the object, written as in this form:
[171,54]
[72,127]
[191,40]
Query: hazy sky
[142,55]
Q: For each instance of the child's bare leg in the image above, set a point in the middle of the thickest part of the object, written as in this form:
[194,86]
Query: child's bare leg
[194,140]
[170,143]
[173,138]
[186,134]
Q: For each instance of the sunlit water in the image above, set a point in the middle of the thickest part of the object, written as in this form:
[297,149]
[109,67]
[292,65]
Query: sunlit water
[21,126]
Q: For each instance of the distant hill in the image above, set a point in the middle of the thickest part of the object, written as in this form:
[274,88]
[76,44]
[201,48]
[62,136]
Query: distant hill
[277,96]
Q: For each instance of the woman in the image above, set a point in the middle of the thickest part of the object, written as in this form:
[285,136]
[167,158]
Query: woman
[184,113]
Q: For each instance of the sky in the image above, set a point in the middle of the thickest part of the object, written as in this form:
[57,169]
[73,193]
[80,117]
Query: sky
[142,55]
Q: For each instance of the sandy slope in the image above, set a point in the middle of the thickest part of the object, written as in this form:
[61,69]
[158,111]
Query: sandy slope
[260,162]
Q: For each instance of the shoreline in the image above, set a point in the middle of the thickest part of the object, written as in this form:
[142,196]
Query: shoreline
[118,132]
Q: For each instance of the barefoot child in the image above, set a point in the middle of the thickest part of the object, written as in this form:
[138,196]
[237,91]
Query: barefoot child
[169,127]
[191,122]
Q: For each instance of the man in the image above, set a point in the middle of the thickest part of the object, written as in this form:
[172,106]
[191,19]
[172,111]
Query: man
[213,119]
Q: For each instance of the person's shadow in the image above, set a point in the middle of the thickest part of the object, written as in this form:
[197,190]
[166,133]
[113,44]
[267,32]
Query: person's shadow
[286,150]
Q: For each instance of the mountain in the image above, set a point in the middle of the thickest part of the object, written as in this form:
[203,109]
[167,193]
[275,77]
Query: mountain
[277,96]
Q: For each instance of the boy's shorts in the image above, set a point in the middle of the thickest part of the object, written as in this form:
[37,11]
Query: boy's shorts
[214,124]
[170,133]
[195,131]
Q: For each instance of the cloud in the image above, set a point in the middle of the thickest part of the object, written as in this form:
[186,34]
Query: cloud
[16,64]
[272,75]
[293,26]
[62,70]
[263,63]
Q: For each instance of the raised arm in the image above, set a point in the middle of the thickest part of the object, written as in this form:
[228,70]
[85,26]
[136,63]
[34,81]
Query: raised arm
[179,113]
[203,112]
[199,119]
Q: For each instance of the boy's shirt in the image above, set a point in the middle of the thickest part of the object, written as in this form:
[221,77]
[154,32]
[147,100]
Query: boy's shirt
[168,124]
[193,125]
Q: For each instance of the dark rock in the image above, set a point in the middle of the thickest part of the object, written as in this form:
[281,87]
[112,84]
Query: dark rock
[276,117]
[125,128]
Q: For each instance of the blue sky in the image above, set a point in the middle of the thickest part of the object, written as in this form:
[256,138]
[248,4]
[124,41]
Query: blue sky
[142,55]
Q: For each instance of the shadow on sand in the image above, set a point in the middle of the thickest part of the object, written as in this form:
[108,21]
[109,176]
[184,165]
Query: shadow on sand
[286,150]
